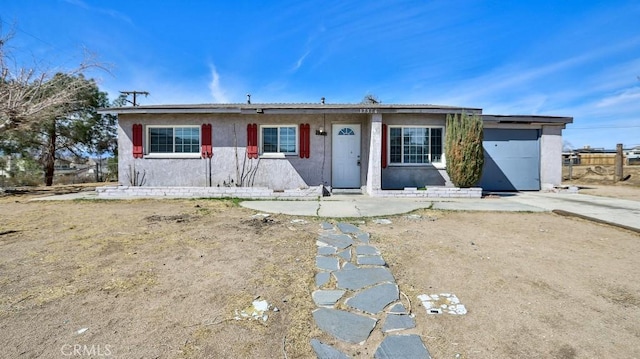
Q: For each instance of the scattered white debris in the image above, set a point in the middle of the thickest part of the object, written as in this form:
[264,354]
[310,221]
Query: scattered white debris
[254,312]
[298,221]
[382,221]
[413,217]
[442,303]
[260,215]
[80,331]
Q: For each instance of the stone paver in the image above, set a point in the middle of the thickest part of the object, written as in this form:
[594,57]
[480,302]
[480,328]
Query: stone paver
[346,254]
[349,266]
[327,251]
[348,228]
[374,299]
[397,322]
[325,351]
[327,263]
[398,308]
[363,237]
[402,346]
[327,298]
[367,251]
[340,241]
[326,226]
[369,287]
[322,278]
[362,277]
[371,260]
[346,326]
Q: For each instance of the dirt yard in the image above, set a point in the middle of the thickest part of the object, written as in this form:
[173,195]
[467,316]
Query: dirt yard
[164,278]
[599,181]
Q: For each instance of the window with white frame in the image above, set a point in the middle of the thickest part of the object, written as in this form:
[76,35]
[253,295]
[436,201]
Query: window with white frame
[279,139]
[415,145]
[173,139]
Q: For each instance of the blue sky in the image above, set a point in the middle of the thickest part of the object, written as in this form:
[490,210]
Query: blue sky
[545,57]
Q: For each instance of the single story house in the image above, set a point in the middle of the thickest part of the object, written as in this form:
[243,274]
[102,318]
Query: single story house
[369,147]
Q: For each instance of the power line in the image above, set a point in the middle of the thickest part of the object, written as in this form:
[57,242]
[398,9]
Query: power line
[17,28]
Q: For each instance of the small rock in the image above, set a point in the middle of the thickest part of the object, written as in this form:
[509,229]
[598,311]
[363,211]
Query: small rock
[382,221]
[82,330]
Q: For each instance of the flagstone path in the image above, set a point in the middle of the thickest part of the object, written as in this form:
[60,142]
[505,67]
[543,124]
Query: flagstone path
[354,289]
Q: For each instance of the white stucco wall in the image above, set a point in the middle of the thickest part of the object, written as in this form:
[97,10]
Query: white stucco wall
[550,157]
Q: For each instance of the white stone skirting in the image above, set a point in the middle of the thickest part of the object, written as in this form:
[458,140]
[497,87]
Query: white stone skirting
[207,192]
[310,193]
[431,192]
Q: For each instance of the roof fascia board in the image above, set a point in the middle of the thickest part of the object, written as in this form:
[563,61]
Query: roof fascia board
[270,109]
[545,120]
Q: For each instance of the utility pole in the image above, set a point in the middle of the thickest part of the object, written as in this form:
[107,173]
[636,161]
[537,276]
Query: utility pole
[619,169]
[134,93]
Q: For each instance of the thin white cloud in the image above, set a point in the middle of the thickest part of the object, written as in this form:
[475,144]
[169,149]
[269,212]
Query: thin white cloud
[300,61]
[624,97]
[217,92]
[113,13]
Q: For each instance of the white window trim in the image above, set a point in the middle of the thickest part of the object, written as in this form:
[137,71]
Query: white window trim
[278,154]
[176,155]
[439,165]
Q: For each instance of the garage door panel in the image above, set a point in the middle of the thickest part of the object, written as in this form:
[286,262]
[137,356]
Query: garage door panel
[512,160]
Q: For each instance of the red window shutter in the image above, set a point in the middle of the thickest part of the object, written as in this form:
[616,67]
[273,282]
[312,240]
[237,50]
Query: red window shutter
[137,141]
[301,140]
[252,140]
[308,140]
[383,157]
[304,139]
[206,144]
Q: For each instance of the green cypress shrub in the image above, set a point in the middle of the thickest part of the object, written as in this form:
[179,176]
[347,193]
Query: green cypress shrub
[463,149]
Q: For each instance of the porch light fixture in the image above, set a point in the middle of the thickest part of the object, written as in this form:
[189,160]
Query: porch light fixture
[321,132]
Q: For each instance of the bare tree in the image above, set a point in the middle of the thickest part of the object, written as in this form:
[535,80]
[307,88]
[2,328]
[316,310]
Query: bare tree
[28,94]
[370,99]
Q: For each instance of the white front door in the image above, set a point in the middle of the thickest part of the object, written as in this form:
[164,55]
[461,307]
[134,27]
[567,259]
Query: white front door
[345,151]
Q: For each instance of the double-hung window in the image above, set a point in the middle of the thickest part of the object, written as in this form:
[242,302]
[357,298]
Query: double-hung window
[415,145]
[279,139]
[168,139]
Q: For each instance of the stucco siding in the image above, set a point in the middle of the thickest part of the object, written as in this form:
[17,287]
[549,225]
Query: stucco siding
[396,176]
[551,157]
[229,164]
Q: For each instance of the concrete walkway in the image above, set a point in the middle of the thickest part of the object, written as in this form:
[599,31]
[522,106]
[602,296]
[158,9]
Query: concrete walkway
[620,212]
[624,213]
